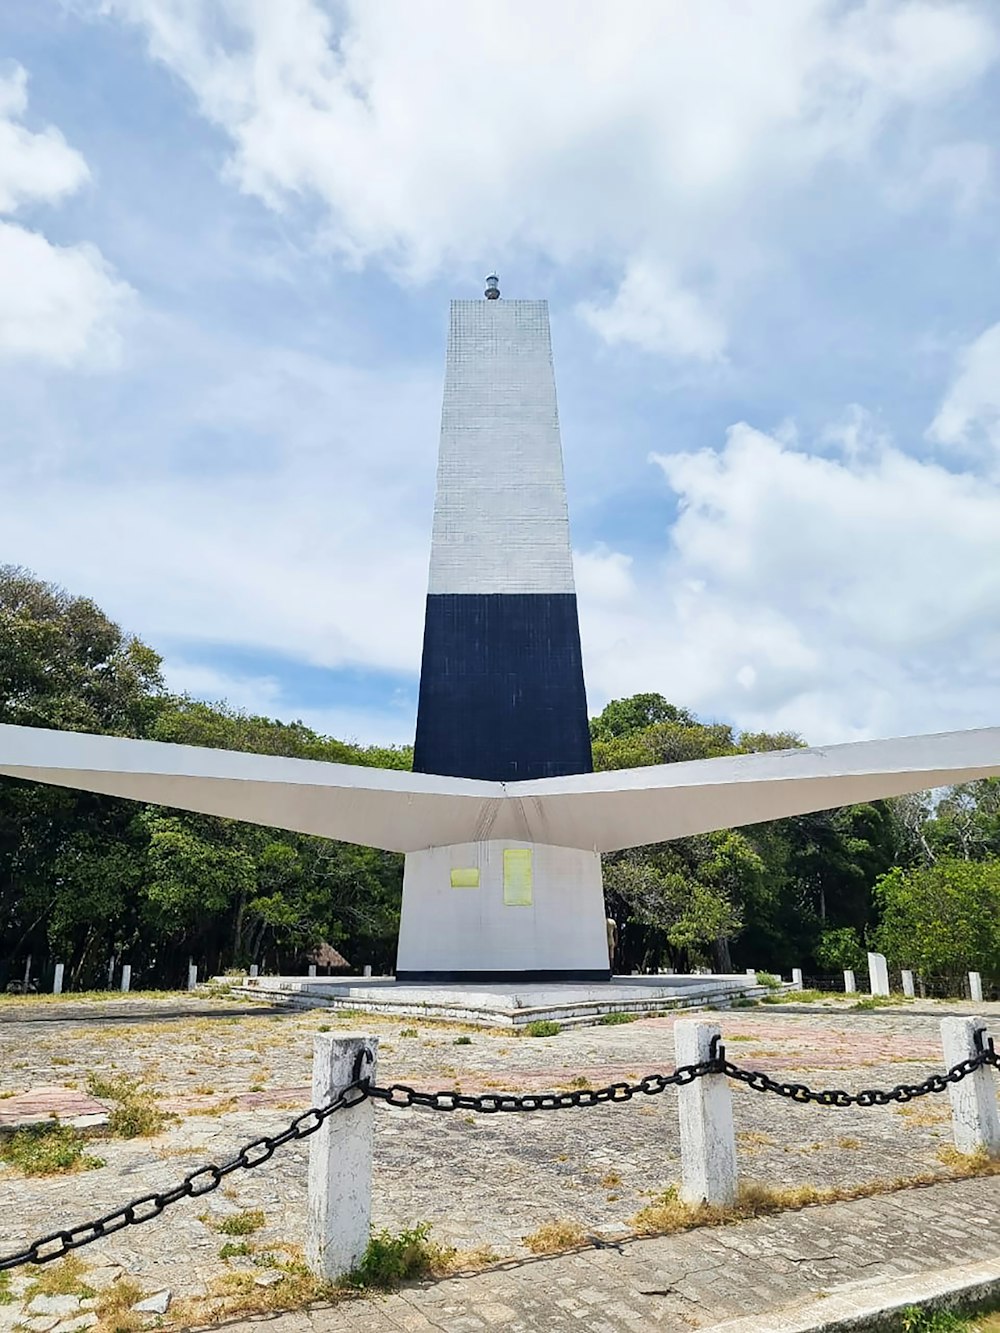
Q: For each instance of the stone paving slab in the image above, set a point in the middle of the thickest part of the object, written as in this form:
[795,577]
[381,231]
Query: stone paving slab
[49,1102]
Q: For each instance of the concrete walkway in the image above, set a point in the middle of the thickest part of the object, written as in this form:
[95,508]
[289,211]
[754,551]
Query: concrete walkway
[798,1271]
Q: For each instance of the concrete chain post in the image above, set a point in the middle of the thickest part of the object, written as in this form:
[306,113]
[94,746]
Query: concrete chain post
[705,1107]
[797,977]
[340,1159]
[908,989]
[850,984]
[57,982]
[975,1120]
[878,973]
[126,977]
[192,975]
[976,987]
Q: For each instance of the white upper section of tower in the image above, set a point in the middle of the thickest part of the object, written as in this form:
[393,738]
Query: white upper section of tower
[500,519]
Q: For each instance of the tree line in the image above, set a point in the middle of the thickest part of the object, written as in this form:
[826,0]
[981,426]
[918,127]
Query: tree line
[87,879]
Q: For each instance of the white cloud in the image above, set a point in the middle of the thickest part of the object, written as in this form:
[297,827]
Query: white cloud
[263,696]
[837,597]
[33,167]
[651,311]
[970,412]
[60,304]
[437,131]
[258,498]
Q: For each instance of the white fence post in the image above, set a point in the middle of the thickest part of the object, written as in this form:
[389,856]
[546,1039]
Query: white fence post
[878,973]
[312,969]
[254,970]
[340,1158]
[797,977]
[57,981]
[907,984]
[126,976]
[368,969]
[850,984]
[192,975]
[975,1120]
[976,987]
[705,1107]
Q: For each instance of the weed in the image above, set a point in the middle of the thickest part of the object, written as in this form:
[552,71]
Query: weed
[66,1278]
[235,1249]
[552,1237]
[769,980]
[47,1150]
[610,1180]
[241,1224]
[135,1113]
[613,1019]
[848,1142]
[408,1032]
[114,1307]
[324,1027]
[542,1028]
[915,1320]
[462,1041]
[394,1258]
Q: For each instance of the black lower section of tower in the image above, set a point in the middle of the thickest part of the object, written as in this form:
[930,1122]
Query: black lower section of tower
[501,688]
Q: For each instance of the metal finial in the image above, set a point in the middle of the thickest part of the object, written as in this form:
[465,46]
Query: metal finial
[492,292]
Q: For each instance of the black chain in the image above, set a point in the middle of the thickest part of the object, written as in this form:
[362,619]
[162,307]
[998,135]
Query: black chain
[902,1092]
[209,1177]
[402,1095]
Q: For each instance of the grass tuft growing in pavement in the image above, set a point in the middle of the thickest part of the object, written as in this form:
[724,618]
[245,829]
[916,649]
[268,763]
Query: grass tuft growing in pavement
[552,1237]
[542,1028]
[135,1113]
[47,1150]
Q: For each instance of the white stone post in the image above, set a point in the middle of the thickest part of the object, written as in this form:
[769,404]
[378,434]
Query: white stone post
[340,1158]
[254,970]
[312,969]
[797,977]
[976,987]
[908,990]
[126,976]
[368,969]
[57,982]
[705,1107]
[878,973]
[752,972]
[192,975]
[975,1120]
[850,984]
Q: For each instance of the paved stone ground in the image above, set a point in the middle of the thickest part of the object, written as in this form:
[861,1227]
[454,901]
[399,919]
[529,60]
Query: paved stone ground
[480,1180]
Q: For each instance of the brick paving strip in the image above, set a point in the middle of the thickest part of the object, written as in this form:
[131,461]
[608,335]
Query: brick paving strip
[822,1268]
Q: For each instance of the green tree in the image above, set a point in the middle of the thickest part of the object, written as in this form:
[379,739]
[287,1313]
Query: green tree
[943,918]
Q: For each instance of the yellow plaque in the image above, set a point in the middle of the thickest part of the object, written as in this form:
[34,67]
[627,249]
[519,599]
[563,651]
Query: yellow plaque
[517,877]
[465,877]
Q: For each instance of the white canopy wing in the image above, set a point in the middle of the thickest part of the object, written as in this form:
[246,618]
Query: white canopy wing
[407,812]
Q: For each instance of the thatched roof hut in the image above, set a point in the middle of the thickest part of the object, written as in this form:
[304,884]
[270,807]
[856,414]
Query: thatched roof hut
[325,955]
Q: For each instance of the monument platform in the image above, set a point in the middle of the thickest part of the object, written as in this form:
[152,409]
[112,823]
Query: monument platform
[502,1004]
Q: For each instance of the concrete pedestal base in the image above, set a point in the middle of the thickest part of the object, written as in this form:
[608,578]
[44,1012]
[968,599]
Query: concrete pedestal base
[502,1004]
[502,911]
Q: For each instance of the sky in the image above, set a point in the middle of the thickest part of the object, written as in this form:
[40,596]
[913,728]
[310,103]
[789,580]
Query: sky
[768,235]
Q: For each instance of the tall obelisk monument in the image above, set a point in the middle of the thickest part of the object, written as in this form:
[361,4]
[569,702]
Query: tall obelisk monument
[501,687]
